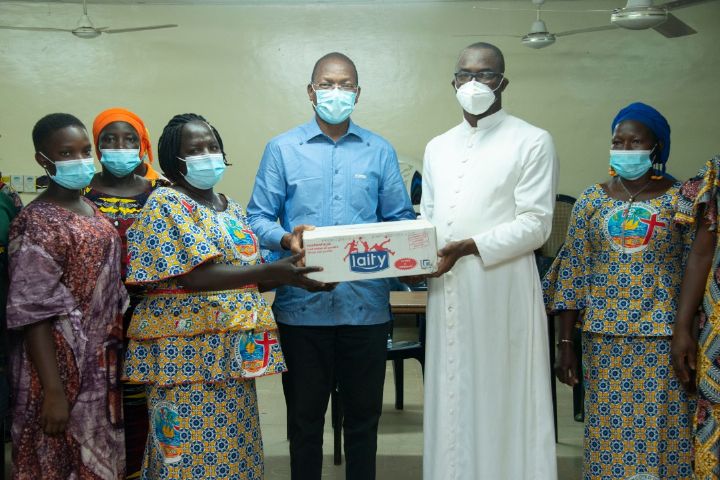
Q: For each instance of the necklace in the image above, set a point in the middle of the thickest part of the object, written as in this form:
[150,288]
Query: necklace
[632,196]
[626,213]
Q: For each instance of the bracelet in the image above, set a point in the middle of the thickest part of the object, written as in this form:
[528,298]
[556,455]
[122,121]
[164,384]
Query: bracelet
[565,340]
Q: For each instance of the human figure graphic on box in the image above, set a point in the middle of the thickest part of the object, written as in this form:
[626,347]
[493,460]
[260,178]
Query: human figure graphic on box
[351,248]
[380,247]
[330,171]
[488,410]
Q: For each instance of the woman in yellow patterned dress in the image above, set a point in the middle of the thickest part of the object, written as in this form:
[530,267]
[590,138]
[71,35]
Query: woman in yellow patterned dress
[202,331]
[620,271]
[701,288]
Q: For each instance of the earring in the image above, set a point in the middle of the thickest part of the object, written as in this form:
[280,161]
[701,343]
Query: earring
[612,172]
[657,174]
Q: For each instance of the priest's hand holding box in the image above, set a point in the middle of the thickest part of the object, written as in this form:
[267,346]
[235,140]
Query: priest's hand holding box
[371,250]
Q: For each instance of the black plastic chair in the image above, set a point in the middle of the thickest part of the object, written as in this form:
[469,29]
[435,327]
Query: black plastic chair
[544,257]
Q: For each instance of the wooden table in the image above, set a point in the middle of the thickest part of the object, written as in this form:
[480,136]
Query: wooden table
[408,302]
[400,302]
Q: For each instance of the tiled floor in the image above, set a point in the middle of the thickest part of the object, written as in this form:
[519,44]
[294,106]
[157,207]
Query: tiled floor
[400,437]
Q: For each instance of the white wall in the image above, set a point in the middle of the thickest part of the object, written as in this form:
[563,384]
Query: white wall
[246,67]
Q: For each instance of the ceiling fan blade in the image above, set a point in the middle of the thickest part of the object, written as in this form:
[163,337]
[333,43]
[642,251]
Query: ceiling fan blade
[488,35]
[674,27]
[674,5]
[586,30]
[139,29]
[35,29]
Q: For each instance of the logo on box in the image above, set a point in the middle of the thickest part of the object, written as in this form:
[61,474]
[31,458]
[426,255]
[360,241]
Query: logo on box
[371,259]
[405,263]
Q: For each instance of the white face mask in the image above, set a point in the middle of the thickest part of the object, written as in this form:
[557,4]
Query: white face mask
[475,97]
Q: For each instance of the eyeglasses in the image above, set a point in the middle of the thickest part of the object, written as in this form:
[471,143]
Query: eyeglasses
[483,77]
[347,87]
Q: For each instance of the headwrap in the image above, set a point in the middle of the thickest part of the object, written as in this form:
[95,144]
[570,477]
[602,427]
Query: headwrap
[122,115]
[653,120]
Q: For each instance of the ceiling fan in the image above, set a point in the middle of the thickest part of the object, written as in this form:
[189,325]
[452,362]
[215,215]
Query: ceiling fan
[642,14]
[539,36]
[86,29]
[636,15]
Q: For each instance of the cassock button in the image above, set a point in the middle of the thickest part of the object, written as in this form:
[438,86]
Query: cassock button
[449,222]
[451,342]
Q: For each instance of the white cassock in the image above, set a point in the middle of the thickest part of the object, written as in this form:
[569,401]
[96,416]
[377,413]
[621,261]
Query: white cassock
[488,407]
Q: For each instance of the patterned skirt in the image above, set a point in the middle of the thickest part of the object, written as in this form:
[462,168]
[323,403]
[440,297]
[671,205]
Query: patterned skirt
[208,431]
[638,418]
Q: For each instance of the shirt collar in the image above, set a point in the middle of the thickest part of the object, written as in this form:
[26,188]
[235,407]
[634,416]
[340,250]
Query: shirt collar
[486,123]
[312,130]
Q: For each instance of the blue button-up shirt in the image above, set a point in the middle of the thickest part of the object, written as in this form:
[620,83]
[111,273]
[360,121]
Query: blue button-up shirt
[307,178]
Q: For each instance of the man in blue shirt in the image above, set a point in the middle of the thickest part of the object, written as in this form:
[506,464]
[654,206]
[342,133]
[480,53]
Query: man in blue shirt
[326,172]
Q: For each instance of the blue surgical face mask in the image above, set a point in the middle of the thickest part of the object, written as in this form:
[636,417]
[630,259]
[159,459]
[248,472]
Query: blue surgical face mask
[204,171]
[334,105]
[630,164]
[120,162]
[73,174]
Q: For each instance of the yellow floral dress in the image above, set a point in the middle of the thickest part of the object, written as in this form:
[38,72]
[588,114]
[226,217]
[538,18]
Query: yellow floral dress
[198,352]
[621,267]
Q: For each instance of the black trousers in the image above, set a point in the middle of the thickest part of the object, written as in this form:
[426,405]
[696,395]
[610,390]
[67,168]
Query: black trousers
[317,357]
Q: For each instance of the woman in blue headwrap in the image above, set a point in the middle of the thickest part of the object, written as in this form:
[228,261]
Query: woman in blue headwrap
[619,275]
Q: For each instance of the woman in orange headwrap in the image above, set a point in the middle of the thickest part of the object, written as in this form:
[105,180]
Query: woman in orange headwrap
[121,142]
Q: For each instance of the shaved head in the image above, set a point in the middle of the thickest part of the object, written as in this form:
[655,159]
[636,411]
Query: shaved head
[334,57]
[482,48]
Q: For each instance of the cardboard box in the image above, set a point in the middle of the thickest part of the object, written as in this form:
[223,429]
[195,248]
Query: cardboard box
[371,250]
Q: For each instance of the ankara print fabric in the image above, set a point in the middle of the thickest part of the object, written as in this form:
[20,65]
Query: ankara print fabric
[178,336]
[699,203]
[65,269]
[621,266]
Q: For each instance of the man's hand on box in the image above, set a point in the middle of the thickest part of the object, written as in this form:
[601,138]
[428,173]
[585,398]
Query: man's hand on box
[451,253]
[294,241]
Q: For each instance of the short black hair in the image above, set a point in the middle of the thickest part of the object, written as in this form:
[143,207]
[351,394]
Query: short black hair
[334,56]
[169,143]
[50,124]
[485,46]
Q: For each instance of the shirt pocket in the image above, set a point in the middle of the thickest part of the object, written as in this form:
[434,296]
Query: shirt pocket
[364,197]
[306,196]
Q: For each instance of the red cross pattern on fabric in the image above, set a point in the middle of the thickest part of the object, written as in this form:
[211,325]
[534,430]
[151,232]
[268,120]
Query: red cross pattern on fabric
[652,223]
[266,342]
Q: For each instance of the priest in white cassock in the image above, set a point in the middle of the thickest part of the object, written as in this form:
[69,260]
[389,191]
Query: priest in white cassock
[489,188]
